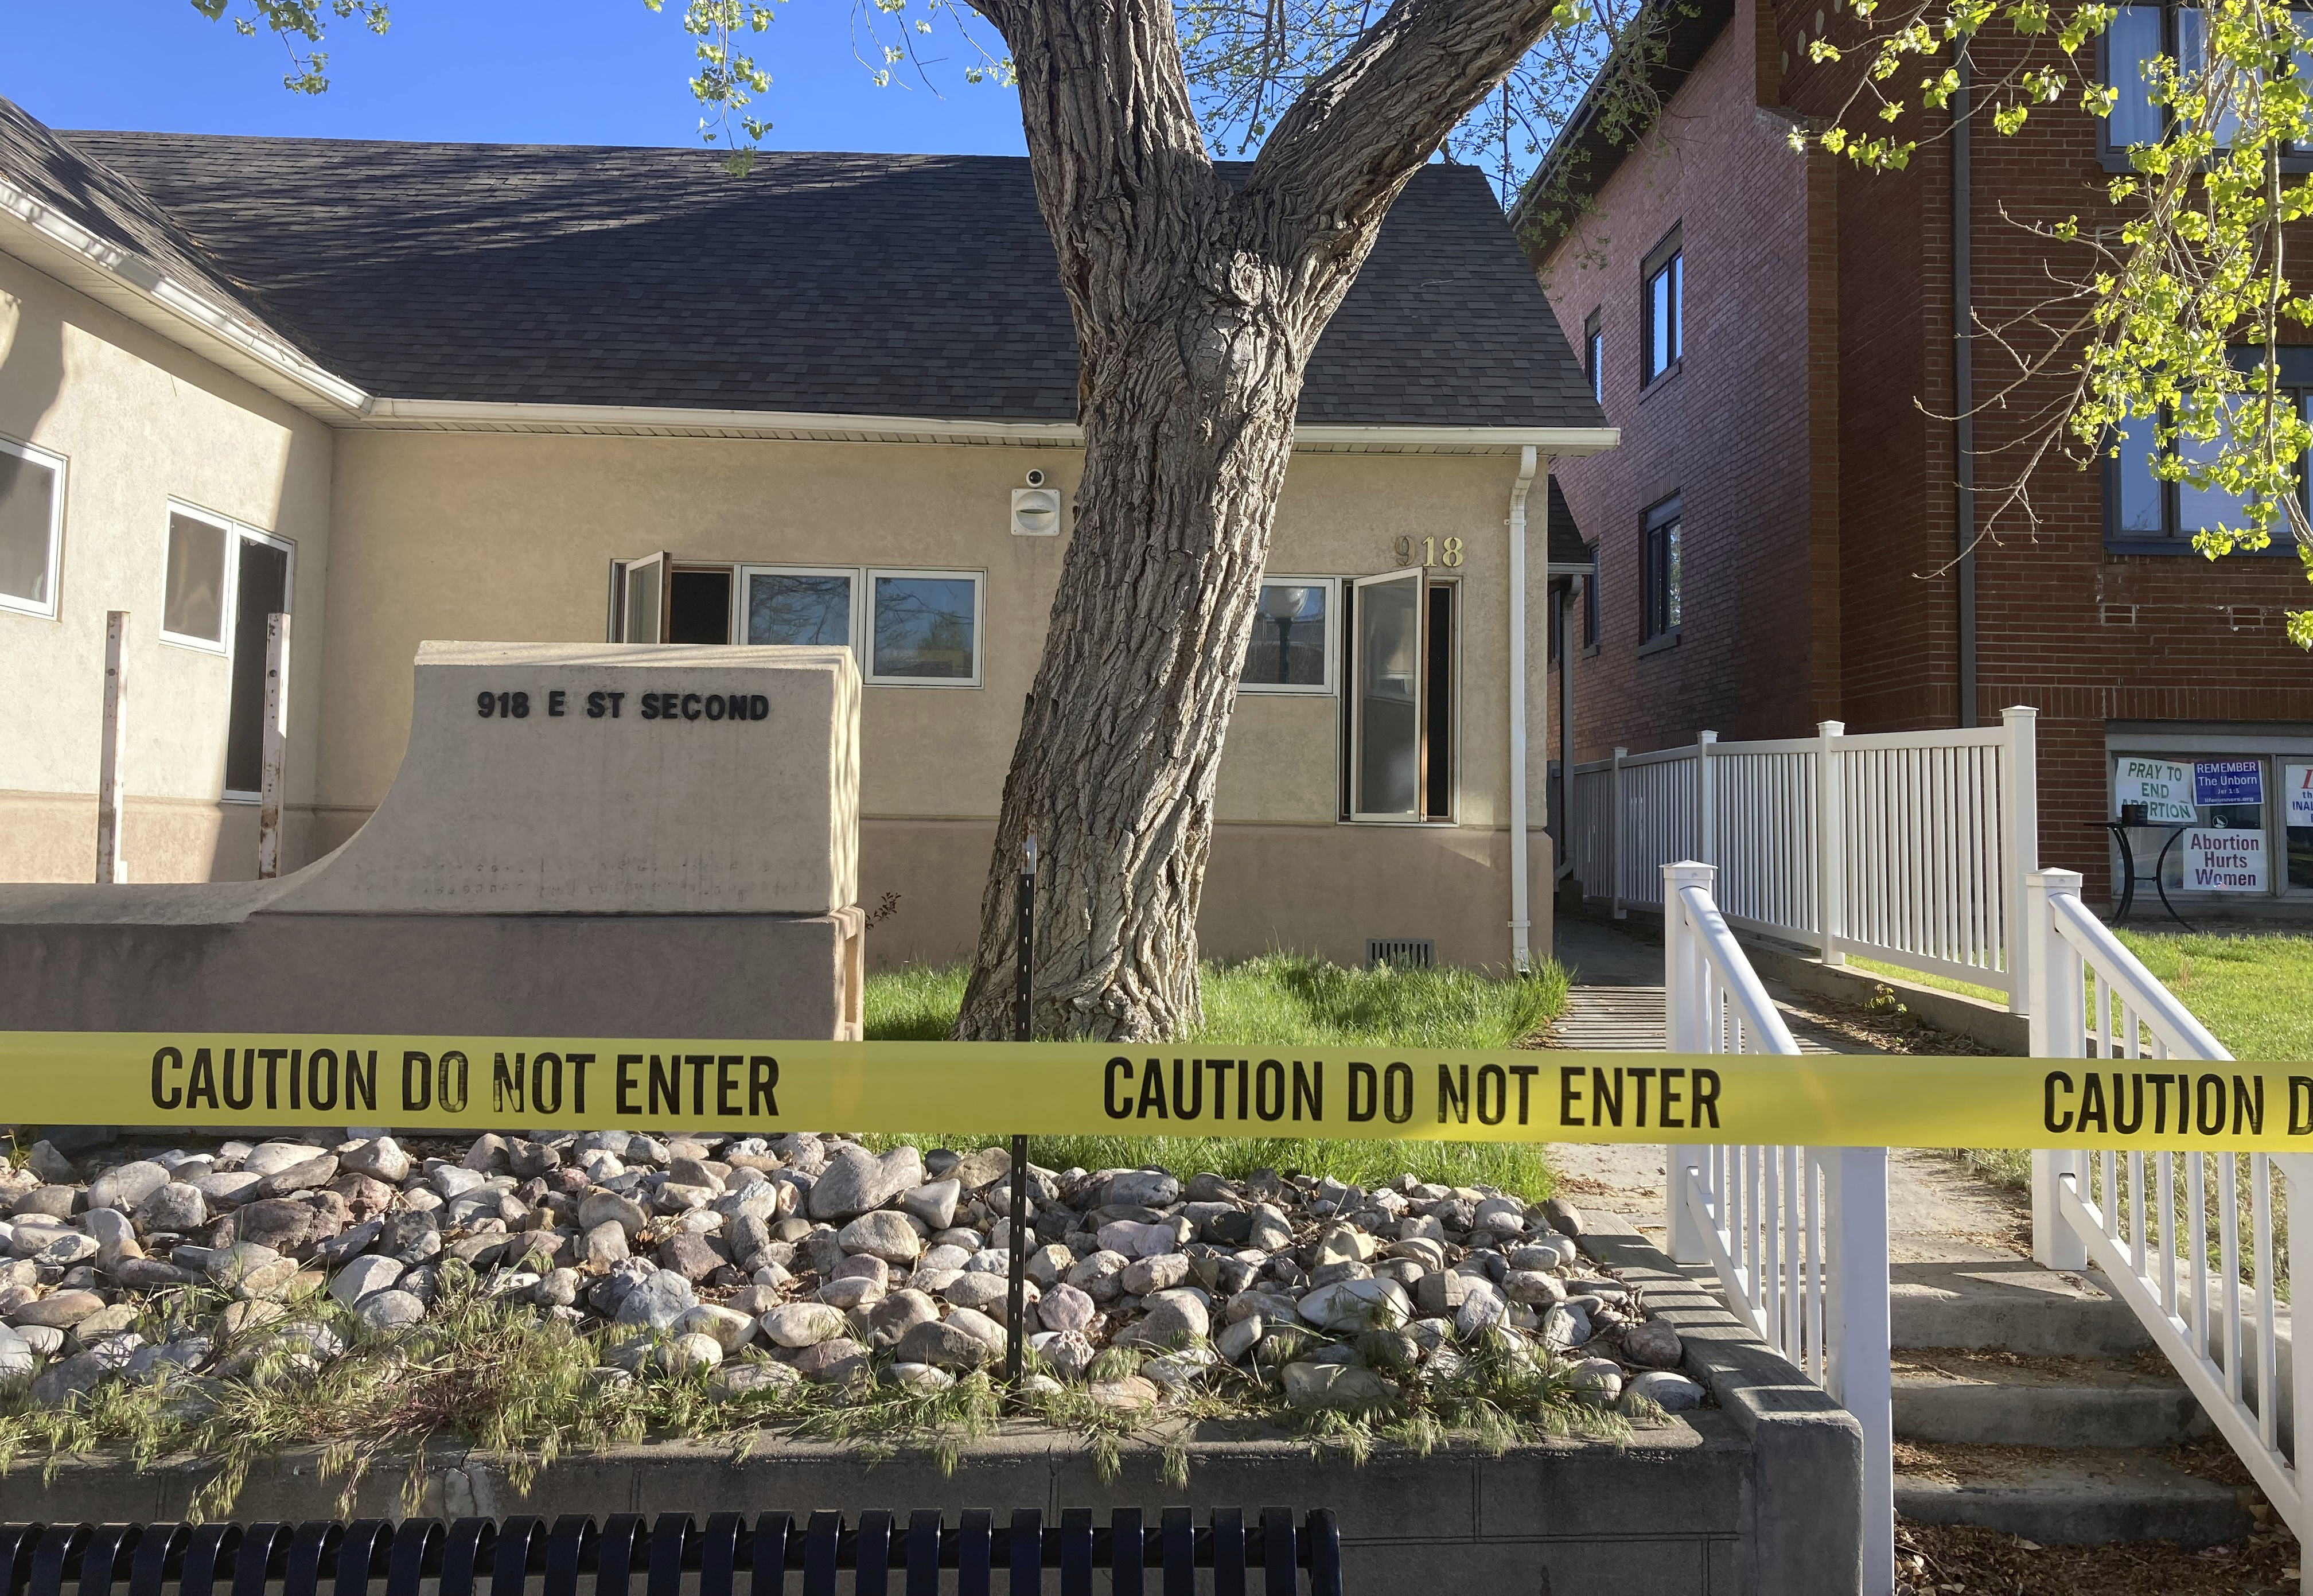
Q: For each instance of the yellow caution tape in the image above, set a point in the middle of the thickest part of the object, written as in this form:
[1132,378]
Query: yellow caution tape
[1067,1088]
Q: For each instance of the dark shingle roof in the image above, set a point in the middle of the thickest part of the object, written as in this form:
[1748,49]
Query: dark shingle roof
[77,185]
[833,283]
[1566,545]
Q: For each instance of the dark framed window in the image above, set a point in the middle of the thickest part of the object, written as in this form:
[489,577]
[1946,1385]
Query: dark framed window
[1594,354]
[1659,610]
[1590,603]
[1663,315]
[2145,515]
[2137,35]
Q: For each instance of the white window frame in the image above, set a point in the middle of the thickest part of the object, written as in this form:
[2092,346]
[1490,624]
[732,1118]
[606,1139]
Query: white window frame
[227,594]
[1332,684]
[866,599]
[851,573]
[55,462]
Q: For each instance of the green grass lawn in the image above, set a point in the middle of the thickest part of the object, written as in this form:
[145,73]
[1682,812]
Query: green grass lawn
[1280,1001]
[2255,992]
[1966,989]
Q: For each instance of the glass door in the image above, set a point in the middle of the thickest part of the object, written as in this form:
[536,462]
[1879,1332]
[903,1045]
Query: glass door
[1385,758]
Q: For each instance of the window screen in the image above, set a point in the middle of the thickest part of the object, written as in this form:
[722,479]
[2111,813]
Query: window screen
[28,524]
[193,605]
[926,627]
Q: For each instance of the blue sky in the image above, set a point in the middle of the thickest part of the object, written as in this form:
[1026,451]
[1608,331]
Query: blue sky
[602,72]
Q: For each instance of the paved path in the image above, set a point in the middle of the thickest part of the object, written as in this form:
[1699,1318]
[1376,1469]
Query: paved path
[1937,1211]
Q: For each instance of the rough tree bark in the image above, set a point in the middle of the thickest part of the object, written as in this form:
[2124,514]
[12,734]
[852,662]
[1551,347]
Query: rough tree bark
[1197,306]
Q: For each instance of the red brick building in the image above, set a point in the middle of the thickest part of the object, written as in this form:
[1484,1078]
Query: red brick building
[1778,537]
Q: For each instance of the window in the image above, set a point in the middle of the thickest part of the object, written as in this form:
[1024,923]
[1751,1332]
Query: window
[2145,515]
[2139,33]
[1594,354]
[193,600]
[1292,647]
[1398,753]
[926,628]
[31,527]
[1664,318]
[1659,611]
[2229,812]
[223,581]
[1590,603]
[797,605]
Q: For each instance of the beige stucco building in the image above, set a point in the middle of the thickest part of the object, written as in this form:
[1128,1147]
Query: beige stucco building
[406,393]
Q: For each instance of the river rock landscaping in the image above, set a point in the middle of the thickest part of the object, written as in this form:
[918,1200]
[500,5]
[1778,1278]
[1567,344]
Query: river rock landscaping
[807,1267]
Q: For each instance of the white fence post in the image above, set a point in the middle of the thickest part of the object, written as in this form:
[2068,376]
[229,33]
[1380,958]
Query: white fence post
[1856,1336]
[108,866]
[1688,1030]
[2020,819]
[276,746]
[1706,809]
[1830,841]
[1615,833]
[2057,1032]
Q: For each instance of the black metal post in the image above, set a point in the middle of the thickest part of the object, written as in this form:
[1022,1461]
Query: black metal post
[1024,1028]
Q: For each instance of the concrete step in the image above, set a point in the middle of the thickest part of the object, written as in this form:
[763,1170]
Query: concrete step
[2001,1399]
[2085,1497]
[2007,1305]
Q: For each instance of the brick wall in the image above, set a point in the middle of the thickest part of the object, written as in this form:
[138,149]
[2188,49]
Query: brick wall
[1729,432]
[1814,440]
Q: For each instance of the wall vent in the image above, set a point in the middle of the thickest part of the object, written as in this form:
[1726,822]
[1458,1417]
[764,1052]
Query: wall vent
[1400,953]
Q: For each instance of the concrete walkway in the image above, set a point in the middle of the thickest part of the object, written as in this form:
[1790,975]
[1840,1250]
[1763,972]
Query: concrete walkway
[1937,1215]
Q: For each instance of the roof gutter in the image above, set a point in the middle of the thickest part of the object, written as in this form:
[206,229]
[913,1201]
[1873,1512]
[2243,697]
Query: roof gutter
[490,415]
[179,306]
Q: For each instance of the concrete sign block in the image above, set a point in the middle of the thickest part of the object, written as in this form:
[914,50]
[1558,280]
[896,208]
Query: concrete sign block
[550,778]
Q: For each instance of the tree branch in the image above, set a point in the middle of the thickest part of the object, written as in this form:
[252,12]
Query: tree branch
[1355,137]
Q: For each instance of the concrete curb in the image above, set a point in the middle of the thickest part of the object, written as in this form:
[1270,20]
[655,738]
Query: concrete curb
[1802,1499]
[1961,1014]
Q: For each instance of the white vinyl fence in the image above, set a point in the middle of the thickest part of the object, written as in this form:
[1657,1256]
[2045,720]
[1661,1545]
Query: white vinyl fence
[1798,1236]
[2188,1240]
[1906,847]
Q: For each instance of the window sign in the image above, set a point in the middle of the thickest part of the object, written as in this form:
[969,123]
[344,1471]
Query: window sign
[2219,861]
[2164,789]
[2227,782]
[2297,787]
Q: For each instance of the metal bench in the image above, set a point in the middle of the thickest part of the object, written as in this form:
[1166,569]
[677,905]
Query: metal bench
[629,1555]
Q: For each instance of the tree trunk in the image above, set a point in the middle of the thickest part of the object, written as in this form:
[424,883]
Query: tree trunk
[1196,308]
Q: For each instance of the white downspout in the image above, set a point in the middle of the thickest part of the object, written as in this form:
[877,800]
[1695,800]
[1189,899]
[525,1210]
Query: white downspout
[1521,958]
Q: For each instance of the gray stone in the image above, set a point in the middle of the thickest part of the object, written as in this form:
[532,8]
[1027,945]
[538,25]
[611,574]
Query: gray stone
[229,1266]
[1067,1310]
[299,1177]
[943,1346]
[1343,1386]
[604,1244]
[1534,1287]
[934,1202]
[979,1324]
[51,1165]
[690,1353]
[1483,1304]
[1349,1306]
[832,1362]
[885,1233]
[656,1302]
[455,1180]
[802,1324]
[890,1320]
[1143,1188]
[1100,1276]
[1652,1344]
[1597,1381]
[1173,1317]
[364,1276]
[47,1202]
[558,1288]
[62,1384]
[1441,1295]
[1145,1277]
[1563,1327]
[974,1170]
[1562,1216]
[1673,1393]
[922,1379]
[126,1185]
[388,1309]
[730,1328]
[380,1158]
[692,1257]
[1047,1265]
[856,1181]
[974,1289]
[273,1156]
[176,1207]
[1239,1337]
[227,1189]
[751,1378]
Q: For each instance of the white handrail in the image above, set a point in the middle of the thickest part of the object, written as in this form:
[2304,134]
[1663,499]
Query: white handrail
[1798,1236]
[2154,1004]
